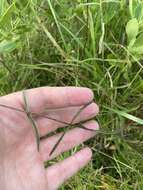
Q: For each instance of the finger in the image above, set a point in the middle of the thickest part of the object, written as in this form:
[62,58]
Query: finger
[71,139]
[46,125]
[63,170]
[52,97]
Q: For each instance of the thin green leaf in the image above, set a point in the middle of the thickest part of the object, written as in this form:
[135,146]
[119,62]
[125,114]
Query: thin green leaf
[126,115]
[131,7]
[51,38]
[79,42]
[104,132]
[2,2]
[56,21]
[132,29]
[110,9]
[92,32]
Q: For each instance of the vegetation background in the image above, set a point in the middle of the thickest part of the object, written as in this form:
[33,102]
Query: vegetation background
[92,43]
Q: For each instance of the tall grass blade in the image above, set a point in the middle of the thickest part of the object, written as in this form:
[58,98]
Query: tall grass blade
[126,115]
[52,39]
[56,21]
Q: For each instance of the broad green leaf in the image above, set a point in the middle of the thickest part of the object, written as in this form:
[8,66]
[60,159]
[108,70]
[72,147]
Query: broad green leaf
[139,41]
[8,46]
[137,50]
[131,43]
[132,29]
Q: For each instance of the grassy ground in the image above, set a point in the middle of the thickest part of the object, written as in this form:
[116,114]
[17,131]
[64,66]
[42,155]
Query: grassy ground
[97,44]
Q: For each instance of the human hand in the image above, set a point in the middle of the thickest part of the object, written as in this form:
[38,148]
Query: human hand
[21,165]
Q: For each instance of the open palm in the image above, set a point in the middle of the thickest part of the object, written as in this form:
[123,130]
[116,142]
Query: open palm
[21,165]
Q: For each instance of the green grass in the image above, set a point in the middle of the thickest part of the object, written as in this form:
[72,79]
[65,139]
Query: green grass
[97,44]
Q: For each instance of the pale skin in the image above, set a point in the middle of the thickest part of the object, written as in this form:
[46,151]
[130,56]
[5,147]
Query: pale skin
[21,165]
